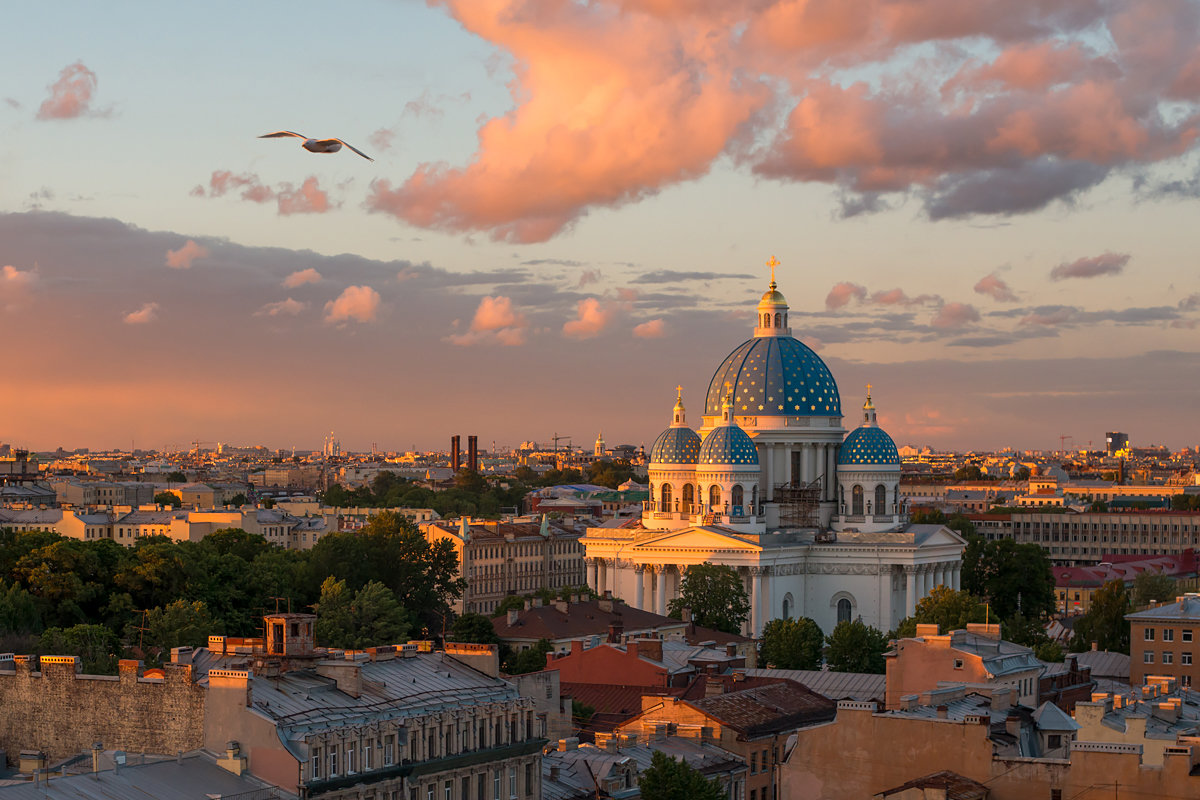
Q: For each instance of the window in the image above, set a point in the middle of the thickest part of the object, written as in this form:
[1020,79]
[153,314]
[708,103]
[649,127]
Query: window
[512,781]
[844,610]
[333,761]
[1185,659]
[737,498]
[464,791]
[481,784]
[1054,741]
[529,779]
[1148,635]
[1147,656]
[316,763]
[1187,681]
[496,775]
[349,758]
[1168,657]
[1056,794]
[753,763]
[389,743]
[958,663]
[448,788]
[714,495]
[431,792]
[366,756]
[1187,634]
[880,499]
[1168,634]
[856,501]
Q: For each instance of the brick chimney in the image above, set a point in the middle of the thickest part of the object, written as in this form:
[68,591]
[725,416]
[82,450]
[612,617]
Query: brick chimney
[615,631]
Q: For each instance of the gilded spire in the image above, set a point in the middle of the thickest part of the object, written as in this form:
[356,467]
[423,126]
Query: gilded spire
[869,409]
[679,415]
[773,263]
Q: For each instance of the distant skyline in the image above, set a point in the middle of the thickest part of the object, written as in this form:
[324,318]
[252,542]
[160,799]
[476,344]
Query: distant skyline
[989,215]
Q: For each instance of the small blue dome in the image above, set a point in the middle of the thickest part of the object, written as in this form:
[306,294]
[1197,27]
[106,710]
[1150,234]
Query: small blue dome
[676,446]
[869,445]
[728,444]
[775,376]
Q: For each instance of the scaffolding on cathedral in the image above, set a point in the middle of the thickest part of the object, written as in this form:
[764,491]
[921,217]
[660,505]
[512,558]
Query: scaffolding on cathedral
[798,504]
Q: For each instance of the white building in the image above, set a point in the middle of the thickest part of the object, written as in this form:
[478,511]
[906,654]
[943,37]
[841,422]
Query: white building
[773,486]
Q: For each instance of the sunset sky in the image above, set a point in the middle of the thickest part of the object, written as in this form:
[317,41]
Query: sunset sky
[987,209]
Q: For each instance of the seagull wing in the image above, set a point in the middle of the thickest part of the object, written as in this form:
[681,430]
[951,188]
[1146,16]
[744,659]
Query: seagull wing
[355,149]
[278,134]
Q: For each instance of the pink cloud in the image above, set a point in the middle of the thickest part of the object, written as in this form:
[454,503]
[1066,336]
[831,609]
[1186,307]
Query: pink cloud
[1094,266]
[222,182]
[588,276]
[897,297]
[355,303]
[650,329]
[288,307]
[592,318]
[955,315]
[994,287]
[147,313]
[495,322]
[382,139]
[301,277]
[841,295]
[15,286]
[308,199]
[71,95]
[185,255]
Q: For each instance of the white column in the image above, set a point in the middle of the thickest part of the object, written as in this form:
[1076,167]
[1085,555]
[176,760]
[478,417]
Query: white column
[639,586]
[660,594]
[755,601]
[602,581]
[885,597]
[822,469]
[910,589]
[957,576]
[769,489]
[832,472]
[592,575]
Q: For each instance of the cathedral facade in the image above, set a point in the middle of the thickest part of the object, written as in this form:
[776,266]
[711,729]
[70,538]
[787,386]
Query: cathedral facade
[772,485]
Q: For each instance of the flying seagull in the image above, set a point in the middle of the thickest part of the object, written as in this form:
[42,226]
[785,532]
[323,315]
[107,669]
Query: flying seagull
[317,145]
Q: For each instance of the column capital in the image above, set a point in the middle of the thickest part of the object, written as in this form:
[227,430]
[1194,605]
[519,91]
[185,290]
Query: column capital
[910,569]
[639,567]
[760,571]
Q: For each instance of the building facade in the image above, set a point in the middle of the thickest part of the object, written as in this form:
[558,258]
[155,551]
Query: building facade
[1163,642]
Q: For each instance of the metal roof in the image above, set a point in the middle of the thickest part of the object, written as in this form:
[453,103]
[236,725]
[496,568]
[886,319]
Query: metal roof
[834,685]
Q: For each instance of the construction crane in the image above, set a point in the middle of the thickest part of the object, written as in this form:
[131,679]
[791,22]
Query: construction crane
[557,439]
[1062,441]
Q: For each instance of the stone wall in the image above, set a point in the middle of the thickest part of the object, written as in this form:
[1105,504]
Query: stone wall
[63,713]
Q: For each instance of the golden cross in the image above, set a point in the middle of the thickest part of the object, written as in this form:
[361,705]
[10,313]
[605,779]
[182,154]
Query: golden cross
[773,263]
[868,390]
[679,392]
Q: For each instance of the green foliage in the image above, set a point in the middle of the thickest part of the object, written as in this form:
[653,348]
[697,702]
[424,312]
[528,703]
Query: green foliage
[237,501]
[1021,474]
[1098,506]
[176,477]
[1049,651]
[178,624]
[1013,578]
[1149,586]
[1185,502]
[581,712]
[18,610]
[1105,621]
[955,522]
[792,644]
[610,473]
[970,472]
[354,620]
[668,779]
[472,495]
[96,646]
[715,595]
[950,610]
[474,628]
[168,499]
[856,647]
[1023,630]
[531,660]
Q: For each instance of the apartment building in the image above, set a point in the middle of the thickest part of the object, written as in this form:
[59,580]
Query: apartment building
[1163,641]
[1072,539]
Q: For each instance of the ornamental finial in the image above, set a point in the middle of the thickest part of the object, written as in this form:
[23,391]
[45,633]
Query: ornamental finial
[773,263]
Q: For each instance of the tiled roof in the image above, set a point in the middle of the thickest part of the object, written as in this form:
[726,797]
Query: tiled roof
[768,709]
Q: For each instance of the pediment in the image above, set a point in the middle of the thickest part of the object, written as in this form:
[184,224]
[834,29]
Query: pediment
[941,536]
[702,538]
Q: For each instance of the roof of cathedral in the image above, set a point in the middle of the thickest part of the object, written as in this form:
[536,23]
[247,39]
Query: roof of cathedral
[775,376]
[676,446]
[728,444]
[869,445]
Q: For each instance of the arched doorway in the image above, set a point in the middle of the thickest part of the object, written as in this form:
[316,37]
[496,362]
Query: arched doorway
[689,497]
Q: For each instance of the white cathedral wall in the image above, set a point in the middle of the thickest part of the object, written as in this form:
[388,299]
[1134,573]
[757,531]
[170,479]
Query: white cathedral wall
[821,594]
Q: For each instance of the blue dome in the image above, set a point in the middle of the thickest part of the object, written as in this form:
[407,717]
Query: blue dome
[868,446]
[775,376]
[728,444]
[676,446]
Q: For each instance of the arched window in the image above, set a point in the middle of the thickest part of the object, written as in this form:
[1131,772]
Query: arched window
[766,320]
[666,497]
[788,605]
[856,502]
[714,495]
[881,499]
[785,319]
[777,318]
[689,497]
[754,497]
[738,498]
[651,495]
[844,610]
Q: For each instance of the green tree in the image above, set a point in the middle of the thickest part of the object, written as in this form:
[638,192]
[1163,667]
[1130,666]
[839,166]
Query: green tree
[792,644]
[531,660]
[856,647]
[1105,622]
[178,624]
[1049,651]
[168,499]
[1149,586]
[354,620]
[1011,577]
[237,501]
[176,477]
[668,779]
[970,472]
[18,610]
[950,610]
[610,473]
[474,628]
[235,541]
[716,596]
[96,646]
[581,712]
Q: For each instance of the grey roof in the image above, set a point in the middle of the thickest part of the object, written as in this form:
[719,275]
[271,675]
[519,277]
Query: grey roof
[1186,609]
[999,657]
[1105,664]
[580,770]
[834,685]
[196,775]
[1050,717]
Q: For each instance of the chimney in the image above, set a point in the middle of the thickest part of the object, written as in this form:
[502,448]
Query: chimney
[1012,724]
[731,649]
[554,772]
[574,598]
[97,749]
[713,687]
[615,630]
[943,712]
[233,761]
[181,655]
[513,614]
[651,649]
[473,453]
[927,629]
[1095,645]
[605,604]
[570,743]
[455,453]
[686,614]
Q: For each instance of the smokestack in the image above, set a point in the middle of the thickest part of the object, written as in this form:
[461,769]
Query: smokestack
[455,453]
[473,453]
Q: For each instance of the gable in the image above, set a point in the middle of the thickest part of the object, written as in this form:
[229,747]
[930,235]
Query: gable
[695,539]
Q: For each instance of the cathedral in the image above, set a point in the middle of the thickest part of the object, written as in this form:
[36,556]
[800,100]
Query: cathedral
[772,485]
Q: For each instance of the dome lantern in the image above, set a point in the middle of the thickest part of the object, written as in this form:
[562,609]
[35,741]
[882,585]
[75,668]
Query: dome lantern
[772,309]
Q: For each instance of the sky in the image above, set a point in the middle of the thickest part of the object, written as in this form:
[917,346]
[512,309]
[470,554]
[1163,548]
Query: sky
[986,210]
